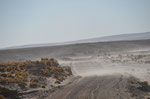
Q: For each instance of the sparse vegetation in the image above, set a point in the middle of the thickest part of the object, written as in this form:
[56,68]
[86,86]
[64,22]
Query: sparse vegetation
[132,81]
[128,58]
[32,74]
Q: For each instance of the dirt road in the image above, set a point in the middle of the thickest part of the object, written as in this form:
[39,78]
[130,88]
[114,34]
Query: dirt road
[95,87]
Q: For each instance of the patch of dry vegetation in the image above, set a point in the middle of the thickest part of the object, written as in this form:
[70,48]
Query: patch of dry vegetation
[32,74]
[128,58]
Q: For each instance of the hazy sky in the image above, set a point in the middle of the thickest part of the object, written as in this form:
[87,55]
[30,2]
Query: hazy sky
[48,21]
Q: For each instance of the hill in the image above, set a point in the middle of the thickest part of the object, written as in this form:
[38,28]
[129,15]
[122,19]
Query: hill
[121,37]
[73,50]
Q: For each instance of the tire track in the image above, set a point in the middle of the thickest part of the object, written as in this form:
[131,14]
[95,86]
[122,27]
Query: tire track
[95,87]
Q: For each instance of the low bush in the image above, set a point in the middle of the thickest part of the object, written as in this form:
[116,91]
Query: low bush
[33,72]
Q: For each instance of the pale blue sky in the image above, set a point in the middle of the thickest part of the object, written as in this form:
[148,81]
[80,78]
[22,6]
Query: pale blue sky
[47,21]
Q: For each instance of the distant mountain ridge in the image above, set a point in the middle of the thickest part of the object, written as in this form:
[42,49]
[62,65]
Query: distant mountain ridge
[120,37]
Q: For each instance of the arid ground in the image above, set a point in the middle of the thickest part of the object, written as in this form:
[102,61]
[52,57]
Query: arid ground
[105,70]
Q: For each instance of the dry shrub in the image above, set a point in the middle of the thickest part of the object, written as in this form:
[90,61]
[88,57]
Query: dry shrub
[17,72]
[132,81]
